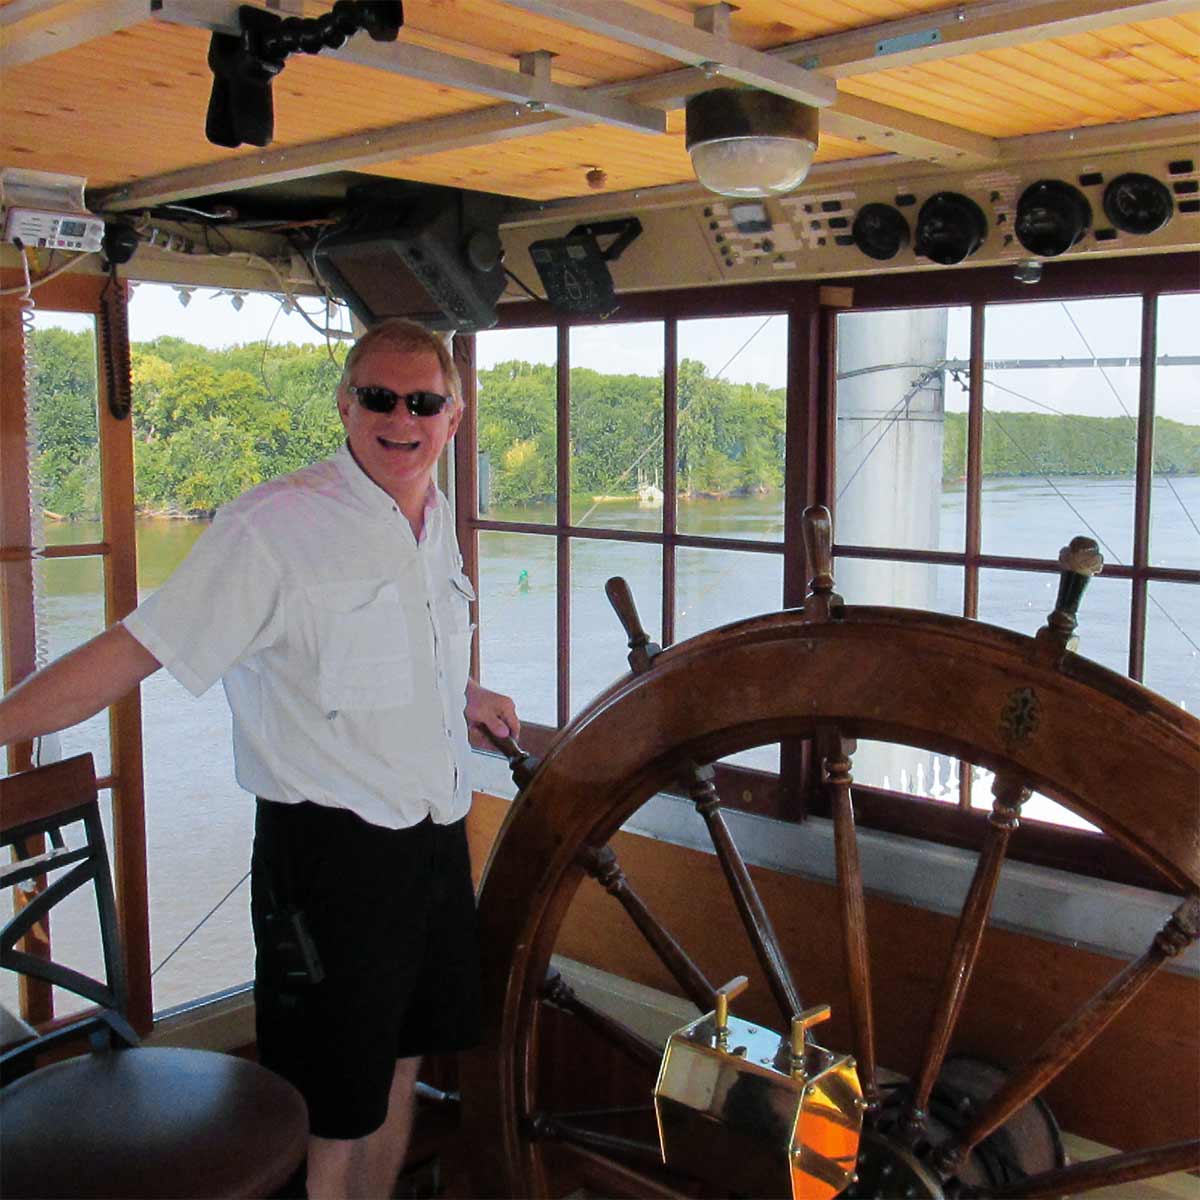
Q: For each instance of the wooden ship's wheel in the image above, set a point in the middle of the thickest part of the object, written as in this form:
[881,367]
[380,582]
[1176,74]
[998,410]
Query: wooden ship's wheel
[1028,709]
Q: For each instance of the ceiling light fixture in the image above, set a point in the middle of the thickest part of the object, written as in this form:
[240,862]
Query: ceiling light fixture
[750,143]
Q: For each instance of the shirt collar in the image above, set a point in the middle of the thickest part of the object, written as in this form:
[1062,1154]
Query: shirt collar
[370,494]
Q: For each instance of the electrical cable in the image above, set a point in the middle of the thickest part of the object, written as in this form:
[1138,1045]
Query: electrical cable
[187,937]
[37,521]
[523,286]
[36,283]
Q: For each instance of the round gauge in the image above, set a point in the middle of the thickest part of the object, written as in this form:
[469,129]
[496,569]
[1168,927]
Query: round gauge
[1051,217]
[1137,203]
[880,231]
[950,228]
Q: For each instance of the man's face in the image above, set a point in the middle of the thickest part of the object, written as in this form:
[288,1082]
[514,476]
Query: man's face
[398,450]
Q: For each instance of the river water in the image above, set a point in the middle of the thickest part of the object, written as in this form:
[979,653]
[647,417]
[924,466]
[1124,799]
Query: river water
[199,823]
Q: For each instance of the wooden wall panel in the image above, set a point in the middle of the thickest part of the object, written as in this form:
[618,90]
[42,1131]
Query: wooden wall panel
[1137,1085]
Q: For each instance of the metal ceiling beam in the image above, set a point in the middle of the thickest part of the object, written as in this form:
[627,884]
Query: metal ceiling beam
[351,153]
[448,70]
[715,54]
[908,133]
[968,29]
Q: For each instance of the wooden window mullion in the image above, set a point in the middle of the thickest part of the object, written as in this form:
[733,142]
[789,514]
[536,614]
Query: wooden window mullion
[563,509]
[670,511]
[1144,479]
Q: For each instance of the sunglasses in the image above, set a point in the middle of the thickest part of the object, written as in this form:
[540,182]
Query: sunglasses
[384,400]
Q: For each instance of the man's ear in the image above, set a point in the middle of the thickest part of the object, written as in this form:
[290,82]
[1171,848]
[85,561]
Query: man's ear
[456,419]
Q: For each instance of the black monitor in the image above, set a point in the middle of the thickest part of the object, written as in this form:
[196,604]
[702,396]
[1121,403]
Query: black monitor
[428,253]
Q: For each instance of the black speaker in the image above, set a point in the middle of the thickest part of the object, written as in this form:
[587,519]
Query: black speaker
[1137,203]
[880,231]
[950,228]
[431,254]
[1051,217]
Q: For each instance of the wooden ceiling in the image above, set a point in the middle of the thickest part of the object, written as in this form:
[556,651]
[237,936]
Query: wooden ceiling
[109,90]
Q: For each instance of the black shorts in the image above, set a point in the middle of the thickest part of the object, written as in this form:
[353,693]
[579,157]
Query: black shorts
[391,915]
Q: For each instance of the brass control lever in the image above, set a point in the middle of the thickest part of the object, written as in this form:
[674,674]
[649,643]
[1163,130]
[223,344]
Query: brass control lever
[726,992]
[800,1026]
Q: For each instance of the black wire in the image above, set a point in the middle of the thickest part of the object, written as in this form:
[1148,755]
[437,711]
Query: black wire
[524,287]
[199,925]
[1117,396]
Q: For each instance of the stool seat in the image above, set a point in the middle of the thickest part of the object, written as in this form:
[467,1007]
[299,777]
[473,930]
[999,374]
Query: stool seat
[150,1122]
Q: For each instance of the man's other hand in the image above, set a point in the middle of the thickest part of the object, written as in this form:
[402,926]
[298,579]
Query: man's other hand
[492,711]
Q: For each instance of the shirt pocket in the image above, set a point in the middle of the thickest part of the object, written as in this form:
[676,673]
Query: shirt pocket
[458,630]
[363,652]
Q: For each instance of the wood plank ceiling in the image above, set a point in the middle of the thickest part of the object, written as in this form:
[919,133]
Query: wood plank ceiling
[130,104]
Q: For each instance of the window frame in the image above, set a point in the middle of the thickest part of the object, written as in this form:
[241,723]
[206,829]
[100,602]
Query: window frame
[812,308]
[99,297]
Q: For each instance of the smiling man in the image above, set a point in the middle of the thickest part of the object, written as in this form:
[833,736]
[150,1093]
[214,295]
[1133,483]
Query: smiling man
[332,605]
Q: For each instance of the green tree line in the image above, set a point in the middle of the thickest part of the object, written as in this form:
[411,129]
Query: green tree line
[208,424]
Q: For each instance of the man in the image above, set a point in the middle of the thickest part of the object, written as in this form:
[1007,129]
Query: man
[332,605]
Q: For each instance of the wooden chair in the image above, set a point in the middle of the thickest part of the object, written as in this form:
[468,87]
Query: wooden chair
[123,1120]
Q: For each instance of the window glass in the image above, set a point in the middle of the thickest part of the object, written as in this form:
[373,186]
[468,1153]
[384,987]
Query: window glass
[616,426]
[925,586]
[1175,499]
[1022,600]
[1173,643]
[901,428]
[715,587]
[518,621]
[1060,426]
[64,426]
[69,603]
[598,643]
[516,376]
[1038,807]
[732,418]
[932,588]
[229,390]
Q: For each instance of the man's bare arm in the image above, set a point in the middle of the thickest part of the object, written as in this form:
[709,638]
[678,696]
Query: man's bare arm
[76,686]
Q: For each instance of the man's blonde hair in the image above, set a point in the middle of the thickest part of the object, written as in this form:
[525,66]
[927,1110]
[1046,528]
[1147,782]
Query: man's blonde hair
[399,333]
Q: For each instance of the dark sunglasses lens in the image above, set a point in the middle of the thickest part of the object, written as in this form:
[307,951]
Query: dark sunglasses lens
[425,404]
[377,399]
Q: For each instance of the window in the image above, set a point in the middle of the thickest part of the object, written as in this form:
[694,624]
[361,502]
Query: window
[960,441]
[653,450]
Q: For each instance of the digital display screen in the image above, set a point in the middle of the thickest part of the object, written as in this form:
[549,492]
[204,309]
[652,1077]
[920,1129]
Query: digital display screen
[72,229]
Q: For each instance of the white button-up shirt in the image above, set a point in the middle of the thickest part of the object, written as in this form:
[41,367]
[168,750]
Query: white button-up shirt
[343,644]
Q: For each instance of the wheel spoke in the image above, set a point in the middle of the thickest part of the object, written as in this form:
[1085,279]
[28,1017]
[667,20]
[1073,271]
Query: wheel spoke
[1071,1038]
[1109,1171]
[645,1154]
[754,915]
[601,863]
[854,917]
[1009,795]
[558,992]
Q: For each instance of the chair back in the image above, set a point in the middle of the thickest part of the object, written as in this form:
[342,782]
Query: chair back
[50,816]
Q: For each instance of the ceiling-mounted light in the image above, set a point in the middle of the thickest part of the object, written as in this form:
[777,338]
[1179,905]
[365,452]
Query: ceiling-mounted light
[184,294]
[237,300]
[750,143]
